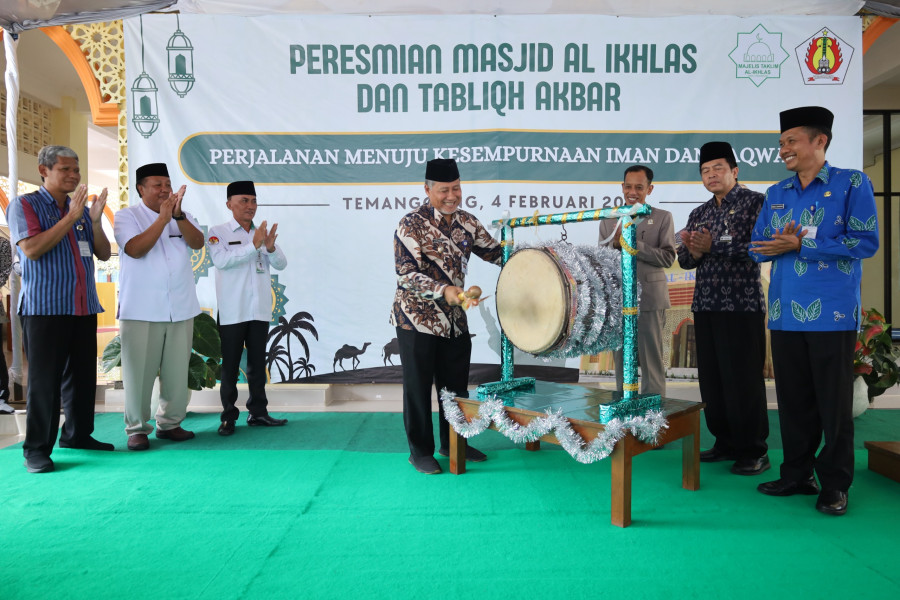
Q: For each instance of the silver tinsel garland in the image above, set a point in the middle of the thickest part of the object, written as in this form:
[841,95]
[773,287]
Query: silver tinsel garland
[645,428]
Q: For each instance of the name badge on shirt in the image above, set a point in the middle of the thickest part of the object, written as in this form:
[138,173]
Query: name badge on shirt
[84,248]
[778,206]
[234,243]
[725,238]
[811,231]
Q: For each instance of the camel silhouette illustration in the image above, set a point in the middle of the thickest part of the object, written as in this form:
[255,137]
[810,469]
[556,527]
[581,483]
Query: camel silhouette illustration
[392,347]
[347,351]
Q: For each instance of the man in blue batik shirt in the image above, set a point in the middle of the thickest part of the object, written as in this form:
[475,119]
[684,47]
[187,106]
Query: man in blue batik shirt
[815,227]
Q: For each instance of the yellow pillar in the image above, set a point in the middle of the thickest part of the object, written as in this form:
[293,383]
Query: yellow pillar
[70,129]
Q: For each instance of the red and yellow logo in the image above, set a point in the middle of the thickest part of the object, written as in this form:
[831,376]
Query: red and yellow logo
[824,58]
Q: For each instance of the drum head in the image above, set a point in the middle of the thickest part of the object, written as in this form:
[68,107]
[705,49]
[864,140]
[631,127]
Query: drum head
[534,300]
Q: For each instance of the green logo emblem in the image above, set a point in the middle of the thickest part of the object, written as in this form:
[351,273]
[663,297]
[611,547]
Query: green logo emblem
[279,300]
[200,260]
[758,55]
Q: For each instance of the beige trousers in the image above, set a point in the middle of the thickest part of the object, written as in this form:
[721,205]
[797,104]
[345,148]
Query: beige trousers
[151,349]
[650,353]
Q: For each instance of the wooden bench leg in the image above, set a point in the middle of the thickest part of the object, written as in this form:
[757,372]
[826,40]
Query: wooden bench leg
[690,456]
[533,446]
[458,446]
[621,483]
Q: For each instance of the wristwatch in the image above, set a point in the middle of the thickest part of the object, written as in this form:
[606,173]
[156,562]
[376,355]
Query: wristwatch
[181,218]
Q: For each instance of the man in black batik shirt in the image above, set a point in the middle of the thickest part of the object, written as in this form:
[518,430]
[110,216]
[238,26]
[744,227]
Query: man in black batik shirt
[729,314]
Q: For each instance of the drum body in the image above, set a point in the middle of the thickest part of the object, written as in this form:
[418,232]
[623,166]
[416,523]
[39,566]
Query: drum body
[561,300]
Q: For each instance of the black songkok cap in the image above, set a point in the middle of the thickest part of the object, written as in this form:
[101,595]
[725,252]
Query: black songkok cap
[807,116]
[241,188]
[442,169]
[152,170]
[714,151]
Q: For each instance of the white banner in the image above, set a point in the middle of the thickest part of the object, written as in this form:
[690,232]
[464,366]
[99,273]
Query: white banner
[335,117]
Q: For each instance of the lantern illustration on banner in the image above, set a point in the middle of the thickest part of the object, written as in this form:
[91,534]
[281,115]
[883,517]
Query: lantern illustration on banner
[181,61]
[143,97]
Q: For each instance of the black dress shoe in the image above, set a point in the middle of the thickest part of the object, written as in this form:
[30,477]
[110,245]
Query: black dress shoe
[88,444]
[265,421]
[715,455]
[472,455]
[751,466]
[38,464]
[226,428]
[425,464]
[786,487]
[832,502]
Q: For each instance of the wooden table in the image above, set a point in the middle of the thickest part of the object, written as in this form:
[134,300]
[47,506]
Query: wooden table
[580,406]
[884,458]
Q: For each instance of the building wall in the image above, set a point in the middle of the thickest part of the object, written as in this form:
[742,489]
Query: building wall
[874,282]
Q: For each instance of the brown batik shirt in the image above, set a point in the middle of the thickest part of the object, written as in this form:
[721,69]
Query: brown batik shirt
[429,255]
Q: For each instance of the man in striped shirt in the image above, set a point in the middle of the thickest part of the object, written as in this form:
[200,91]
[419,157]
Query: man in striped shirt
[56,237]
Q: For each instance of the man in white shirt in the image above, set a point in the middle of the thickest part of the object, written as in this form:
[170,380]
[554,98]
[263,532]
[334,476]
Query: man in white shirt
[243,254]
[157,305]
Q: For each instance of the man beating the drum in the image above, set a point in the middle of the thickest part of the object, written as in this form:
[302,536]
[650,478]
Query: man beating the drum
[432,246]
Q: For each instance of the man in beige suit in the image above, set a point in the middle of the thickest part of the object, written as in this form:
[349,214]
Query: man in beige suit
[655,252]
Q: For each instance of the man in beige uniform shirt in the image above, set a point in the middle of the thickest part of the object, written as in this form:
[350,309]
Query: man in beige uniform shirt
[655,252]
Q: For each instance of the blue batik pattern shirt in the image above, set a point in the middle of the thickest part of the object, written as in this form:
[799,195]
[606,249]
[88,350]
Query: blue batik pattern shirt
[817,288]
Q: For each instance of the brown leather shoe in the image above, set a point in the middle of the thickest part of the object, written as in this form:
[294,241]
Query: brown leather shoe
[138,441]
[176,434]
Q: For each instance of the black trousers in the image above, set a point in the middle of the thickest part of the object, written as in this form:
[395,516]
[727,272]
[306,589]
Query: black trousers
[430,360]
[4,370]
[731,355]
[251,334]
[814,381]
[62,369]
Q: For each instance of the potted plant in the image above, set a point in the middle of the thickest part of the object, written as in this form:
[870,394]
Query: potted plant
[875,359]
[206,354]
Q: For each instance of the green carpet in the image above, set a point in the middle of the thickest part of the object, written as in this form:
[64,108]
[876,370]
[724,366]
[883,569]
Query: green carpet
[327,507]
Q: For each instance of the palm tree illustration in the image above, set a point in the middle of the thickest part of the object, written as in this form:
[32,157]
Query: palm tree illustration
[277,356]
[285,330]
[304,368]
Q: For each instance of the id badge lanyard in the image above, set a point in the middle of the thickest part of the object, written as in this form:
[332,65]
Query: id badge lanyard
[84,246]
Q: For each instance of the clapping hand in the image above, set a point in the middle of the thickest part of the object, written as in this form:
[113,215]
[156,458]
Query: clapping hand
[788,239]
[698,242]
[271,237]
[179,196]
[97,207]
[260,235]
[76,204]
